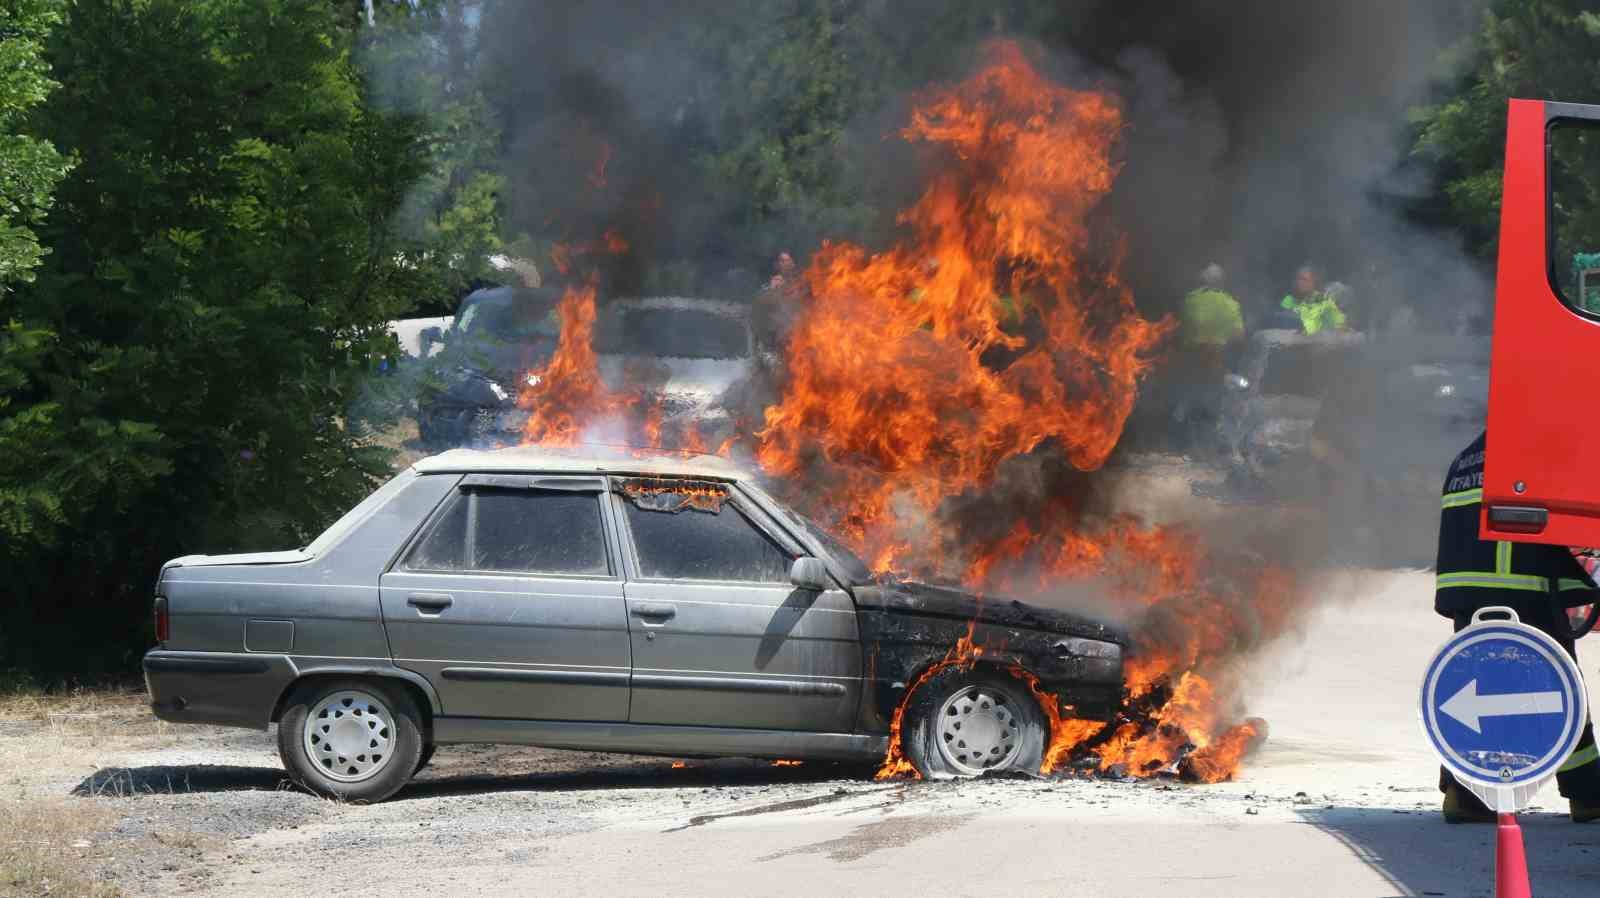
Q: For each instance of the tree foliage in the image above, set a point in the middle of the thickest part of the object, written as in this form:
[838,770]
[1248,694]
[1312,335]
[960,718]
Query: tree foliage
[1531,49]
[222,262]
[29,166]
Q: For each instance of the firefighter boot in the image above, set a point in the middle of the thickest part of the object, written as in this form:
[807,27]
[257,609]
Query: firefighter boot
[1461,806]
[1584,811]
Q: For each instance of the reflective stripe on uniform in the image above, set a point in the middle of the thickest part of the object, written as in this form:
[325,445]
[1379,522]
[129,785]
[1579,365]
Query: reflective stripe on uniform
[1582,756]
[1565,584]
[1502,557]
[1492,580]
[1465,497]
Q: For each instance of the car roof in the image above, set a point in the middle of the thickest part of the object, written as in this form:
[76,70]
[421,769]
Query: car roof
[587,459]
[683,304]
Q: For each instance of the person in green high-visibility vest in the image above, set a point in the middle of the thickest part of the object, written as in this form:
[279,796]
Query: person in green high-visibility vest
[1312,306]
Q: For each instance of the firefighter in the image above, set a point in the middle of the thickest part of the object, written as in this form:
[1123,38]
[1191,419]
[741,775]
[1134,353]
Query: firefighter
[1536,581]
[1314,309]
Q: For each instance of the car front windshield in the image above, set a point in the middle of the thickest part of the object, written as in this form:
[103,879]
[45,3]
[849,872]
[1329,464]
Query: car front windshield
[677,333]
[855,570]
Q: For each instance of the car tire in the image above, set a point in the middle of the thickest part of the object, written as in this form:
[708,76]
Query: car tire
[354,740]
[964,723]
[424,758]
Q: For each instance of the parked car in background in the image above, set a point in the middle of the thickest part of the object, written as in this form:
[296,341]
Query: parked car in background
[497,336]
[686,356]
[636,603]
[1360,426]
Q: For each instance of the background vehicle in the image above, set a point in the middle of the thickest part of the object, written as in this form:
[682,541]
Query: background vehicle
[1354,425]
[641,604]
[497,336]
[689,356]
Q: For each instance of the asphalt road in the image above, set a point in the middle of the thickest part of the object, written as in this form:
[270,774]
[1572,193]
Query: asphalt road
[1341,801]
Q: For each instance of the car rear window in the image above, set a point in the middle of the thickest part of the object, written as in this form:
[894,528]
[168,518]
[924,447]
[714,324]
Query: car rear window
[690,535]
[516,531]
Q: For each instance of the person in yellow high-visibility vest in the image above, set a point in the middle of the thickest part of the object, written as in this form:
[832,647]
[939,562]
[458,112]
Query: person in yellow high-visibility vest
[1210,328]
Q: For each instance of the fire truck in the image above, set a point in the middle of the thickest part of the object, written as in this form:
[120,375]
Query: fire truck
[1545,354]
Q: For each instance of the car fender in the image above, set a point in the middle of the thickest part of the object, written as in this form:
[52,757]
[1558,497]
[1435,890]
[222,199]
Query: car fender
[337,668]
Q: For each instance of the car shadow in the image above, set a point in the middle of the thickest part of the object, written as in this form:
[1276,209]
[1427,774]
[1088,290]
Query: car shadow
[1420,854]
[647,775]
[130,782]
[127,782]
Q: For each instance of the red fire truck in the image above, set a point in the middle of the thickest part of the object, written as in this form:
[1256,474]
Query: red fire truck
[1545,365]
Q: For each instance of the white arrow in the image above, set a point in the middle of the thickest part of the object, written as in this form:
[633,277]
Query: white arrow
[1467,705]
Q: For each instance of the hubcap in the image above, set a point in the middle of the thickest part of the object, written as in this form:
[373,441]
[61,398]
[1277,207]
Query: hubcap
[978,731]
[349,735]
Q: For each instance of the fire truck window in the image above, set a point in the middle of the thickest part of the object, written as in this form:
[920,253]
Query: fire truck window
[1575,212]
[703,545]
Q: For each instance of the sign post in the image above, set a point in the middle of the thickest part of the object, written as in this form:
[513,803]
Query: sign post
[1503,705]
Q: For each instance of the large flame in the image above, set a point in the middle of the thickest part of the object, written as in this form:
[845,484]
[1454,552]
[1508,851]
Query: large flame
[914,372]
[996,327]
[567,394]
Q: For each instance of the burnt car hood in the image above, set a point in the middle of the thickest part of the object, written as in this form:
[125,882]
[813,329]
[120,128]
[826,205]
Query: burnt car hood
[917,598]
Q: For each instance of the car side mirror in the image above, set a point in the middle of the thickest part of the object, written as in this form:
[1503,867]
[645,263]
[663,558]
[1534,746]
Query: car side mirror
[428,337]
[809,573]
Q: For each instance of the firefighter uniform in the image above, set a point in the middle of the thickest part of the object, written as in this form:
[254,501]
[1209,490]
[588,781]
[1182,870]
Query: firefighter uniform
[1538,582]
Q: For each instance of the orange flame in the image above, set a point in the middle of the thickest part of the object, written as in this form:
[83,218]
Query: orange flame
[568,393]
[990,332]
[998,325]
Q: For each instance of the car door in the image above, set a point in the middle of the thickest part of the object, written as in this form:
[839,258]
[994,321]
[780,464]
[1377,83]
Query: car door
[509,601]
[720,636]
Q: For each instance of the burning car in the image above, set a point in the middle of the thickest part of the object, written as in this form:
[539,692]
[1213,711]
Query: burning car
[644,603]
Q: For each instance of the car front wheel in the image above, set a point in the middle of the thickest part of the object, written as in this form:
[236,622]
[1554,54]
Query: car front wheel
[350,739]
[966,723]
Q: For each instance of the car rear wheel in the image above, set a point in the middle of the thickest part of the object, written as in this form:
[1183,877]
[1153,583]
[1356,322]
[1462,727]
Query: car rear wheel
[966,723]
[351,739]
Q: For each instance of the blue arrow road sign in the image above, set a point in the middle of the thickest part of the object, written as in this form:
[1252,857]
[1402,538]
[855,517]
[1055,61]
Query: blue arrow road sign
[1503,704]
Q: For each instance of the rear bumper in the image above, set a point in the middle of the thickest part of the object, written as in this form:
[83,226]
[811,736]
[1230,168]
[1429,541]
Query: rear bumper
[218,688]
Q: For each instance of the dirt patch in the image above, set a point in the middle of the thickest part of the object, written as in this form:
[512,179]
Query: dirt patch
[49,847]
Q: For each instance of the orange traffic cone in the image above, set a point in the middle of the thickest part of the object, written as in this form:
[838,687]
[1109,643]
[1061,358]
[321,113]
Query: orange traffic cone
[1510,861]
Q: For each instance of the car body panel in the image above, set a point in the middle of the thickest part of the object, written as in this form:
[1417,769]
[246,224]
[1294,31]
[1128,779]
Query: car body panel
[737,654]
[515,646]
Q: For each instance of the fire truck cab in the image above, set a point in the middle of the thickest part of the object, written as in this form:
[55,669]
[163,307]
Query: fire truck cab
[1540,483]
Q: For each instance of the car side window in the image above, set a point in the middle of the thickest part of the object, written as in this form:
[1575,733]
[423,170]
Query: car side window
[517,531]
[704,541]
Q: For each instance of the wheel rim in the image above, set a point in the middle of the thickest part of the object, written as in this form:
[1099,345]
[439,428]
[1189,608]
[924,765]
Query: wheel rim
[978,730]
[349,736]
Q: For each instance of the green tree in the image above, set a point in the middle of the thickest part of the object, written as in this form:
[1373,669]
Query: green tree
[1532,49]
[222,262]
[420,57]
[29,166]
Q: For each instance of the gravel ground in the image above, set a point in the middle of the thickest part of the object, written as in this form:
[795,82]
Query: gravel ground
[1339,801]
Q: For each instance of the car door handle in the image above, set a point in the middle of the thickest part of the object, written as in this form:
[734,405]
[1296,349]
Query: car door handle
[655,612]
[429,602]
